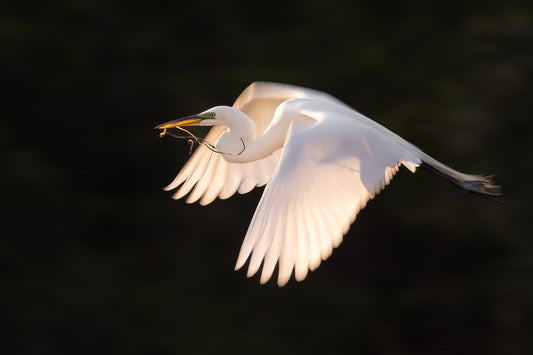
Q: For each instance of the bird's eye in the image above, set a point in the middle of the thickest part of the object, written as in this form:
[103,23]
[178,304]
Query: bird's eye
[212,114]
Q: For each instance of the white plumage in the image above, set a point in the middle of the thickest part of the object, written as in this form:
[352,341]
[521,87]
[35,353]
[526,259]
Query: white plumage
[320,159]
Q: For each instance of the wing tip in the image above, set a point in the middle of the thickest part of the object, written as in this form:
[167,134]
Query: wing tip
[283,281]
[265,276]
[301,275]
[240,262]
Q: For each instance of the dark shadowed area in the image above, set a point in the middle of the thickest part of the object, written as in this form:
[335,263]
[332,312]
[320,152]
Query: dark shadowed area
[98,259]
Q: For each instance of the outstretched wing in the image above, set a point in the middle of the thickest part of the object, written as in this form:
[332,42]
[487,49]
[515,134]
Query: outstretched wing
[207,175]
[261,99]
[333,162]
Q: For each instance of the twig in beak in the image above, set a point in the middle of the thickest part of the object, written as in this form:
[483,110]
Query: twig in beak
[193,139]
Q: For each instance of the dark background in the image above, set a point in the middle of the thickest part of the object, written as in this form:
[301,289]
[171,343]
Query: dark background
[98,259]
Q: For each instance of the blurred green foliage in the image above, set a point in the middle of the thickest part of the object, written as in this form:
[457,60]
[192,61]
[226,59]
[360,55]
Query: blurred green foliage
[99,259]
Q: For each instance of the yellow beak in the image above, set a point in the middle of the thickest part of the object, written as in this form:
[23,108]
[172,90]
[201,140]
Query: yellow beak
[185,121]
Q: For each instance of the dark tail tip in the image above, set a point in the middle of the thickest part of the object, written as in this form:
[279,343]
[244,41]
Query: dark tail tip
[482,186]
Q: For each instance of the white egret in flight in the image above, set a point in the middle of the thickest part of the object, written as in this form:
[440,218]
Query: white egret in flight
[321,162]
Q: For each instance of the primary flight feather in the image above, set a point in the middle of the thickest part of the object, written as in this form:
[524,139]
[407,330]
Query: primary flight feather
[321,162]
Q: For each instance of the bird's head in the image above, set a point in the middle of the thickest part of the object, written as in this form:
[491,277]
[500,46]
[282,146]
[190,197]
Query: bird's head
[219,115]
[238,134]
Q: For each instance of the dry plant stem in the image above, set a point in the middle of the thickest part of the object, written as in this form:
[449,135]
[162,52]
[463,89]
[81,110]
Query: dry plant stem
[193,139]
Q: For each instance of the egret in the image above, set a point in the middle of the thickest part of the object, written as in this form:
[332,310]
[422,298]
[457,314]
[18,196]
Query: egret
[321,162]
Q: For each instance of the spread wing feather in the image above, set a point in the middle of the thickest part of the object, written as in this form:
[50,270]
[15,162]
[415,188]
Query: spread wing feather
[327,173]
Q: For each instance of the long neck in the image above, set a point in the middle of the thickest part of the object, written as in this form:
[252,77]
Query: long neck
[254,149]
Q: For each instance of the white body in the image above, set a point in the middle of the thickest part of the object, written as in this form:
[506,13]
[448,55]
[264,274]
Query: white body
[321,160]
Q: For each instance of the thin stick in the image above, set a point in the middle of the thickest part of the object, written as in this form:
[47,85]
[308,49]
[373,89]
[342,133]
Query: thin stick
[193,139]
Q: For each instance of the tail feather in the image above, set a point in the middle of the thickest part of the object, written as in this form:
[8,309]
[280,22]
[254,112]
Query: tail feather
[477,184]
[414,157]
